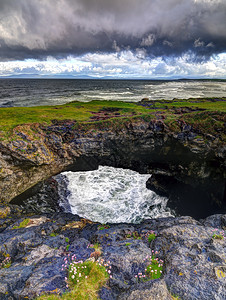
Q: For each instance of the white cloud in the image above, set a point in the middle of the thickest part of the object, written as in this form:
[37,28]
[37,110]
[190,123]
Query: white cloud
[124,64]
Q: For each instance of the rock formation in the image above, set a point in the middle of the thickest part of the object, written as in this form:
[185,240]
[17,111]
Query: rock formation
[193,260]
[146,147]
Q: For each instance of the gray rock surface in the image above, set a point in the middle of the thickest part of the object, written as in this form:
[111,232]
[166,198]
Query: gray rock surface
[194,262]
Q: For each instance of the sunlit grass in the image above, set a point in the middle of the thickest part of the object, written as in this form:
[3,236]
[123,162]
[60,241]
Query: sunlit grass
[153,270]
[208,104]
[22,224]
[84,281]
[82,112]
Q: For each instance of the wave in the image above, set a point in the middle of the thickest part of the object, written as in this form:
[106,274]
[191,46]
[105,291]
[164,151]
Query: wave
[113,195]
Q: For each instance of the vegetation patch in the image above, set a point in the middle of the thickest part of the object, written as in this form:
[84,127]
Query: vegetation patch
[135,235]
[53,234]
[103,226]
[23,122]
[6,263]
[84,279]
[153,270]
[22,224]
[175,297]
[151,237]
[218,234]
[128,244]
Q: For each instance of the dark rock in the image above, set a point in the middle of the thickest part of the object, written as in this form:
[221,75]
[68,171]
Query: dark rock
[194,262]
[80,249]
[46,277]
[185,199]
[150,290]
[13,280]
[106,294]
[190,272]
[216,221]
[161,184]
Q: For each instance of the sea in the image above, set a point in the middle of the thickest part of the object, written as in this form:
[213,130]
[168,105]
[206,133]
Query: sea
[107,194]
[36,92]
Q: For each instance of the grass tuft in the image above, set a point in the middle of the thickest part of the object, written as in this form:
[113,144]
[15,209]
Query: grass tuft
[151,237]
[22,224]
[153,270]
[84,281]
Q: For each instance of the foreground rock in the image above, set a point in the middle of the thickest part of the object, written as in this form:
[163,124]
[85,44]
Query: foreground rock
[194,262]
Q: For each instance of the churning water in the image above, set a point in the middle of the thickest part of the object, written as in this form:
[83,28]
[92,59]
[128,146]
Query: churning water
[112,195]
[32,92]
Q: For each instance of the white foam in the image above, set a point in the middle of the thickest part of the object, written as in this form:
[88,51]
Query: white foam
[113,195]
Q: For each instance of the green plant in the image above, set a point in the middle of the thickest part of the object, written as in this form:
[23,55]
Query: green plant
[128,244]
[153,268]
[84,279]
[151,237]
[67,240]
[67,247]
[53,234]
[134,235]
[96,246]
[218,236]
[103,226]
[175,297]
[6,263]
[22,224]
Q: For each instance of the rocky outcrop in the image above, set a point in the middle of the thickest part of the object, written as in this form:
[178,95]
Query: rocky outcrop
[193,268]
[37,152]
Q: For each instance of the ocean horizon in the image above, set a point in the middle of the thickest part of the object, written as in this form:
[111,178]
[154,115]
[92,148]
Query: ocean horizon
[38,92]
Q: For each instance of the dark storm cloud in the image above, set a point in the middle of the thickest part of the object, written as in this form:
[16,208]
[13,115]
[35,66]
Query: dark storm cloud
[38,28]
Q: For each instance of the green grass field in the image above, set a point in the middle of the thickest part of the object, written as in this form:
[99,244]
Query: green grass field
[100,111]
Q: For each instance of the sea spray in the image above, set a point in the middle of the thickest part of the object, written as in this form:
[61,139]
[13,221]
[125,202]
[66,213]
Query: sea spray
[112,195]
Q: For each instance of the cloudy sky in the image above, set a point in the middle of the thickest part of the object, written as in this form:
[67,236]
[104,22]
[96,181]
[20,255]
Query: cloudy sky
[117,38]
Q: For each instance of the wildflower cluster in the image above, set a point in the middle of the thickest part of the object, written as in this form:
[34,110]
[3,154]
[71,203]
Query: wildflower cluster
[6,263]
[218,234]
[101,262]
[81,271]
[153,268]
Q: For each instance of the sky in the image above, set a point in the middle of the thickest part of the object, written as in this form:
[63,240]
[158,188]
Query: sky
[153,39]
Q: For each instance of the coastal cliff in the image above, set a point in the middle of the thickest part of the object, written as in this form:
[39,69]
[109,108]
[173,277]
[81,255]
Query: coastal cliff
[181,143]
[180,152]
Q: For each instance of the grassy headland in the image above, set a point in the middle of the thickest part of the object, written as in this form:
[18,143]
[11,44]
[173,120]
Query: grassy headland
[205,115]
